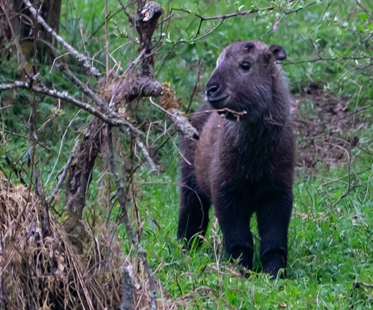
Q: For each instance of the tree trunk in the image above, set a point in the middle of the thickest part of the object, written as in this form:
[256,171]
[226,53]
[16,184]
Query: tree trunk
[9,23]
[80,176]
[12,27]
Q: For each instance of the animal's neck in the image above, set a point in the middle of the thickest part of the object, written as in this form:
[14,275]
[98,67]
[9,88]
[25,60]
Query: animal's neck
[254,146]
[261,134]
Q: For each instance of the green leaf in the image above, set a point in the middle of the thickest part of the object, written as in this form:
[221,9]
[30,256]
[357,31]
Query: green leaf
[363,16]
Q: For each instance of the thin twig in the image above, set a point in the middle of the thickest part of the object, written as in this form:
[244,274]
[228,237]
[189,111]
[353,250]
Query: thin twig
[328,59]
[222,18]
[159,107]
[147,155]
[133,64]
[359,284]
[225,16]
[64,69]
[121,196]
[51,198]
[322,17]
[286,13]
[195,85]
[350,146]
[180,121]
[343,177]
[107,13]
[60,149]
[180,153]
[6,107]
[129,17]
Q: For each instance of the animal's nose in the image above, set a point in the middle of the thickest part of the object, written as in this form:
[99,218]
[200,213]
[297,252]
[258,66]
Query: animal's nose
[211,90]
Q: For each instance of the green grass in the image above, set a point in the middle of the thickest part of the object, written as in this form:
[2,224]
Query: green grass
[330,248]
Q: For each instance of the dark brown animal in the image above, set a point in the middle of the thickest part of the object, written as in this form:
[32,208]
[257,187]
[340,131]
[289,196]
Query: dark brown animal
[243,162]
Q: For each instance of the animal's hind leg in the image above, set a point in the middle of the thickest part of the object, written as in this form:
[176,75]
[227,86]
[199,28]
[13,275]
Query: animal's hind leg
[194,205]
[194,208]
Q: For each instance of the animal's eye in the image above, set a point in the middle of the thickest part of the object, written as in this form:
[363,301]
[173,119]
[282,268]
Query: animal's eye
[245,66]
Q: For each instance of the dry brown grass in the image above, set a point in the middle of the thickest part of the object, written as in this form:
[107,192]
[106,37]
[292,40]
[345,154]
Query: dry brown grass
[42,270]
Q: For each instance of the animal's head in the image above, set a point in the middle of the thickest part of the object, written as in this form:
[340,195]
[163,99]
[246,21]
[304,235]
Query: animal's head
[244,80]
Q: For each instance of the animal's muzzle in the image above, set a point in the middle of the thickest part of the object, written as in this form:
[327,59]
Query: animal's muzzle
[212,90]
[216,96]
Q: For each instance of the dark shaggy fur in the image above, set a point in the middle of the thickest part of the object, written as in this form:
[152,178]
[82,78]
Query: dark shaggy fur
[243,162]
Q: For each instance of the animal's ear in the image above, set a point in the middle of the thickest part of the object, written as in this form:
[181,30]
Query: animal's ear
[277,52]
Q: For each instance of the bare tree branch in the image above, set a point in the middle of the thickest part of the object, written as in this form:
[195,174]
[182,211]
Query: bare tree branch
[80,57]
[180,121]
[223,17]
[127,292]
[146,155]
[79,179]
[112,118]
[65,69]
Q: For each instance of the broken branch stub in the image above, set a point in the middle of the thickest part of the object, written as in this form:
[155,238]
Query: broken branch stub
[182,124]
[146,24]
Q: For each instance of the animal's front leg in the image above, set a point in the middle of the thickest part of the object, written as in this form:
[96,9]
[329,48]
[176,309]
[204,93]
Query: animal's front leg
[273,222]
[234,220]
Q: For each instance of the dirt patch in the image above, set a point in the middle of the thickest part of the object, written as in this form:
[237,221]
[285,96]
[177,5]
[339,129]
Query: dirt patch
[324,128]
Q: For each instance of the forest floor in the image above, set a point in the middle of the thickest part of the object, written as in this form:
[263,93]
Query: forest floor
[322,125]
